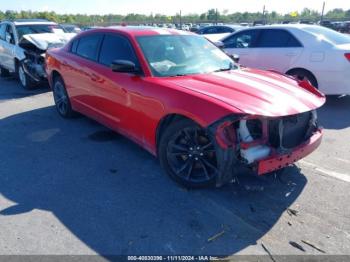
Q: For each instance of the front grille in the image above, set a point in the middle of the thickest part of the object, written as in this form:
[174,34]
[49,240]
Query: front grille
[294,130]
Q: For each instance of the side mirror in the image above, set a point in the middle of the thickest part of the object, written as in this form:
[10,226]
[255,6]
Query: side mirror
[234,57]
[123,66]
[219,44]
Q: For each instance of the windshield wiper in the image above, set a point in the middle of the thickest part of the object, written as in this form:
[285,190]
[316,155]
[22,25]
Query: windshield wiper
[223,69]
[226,69]
[177,75]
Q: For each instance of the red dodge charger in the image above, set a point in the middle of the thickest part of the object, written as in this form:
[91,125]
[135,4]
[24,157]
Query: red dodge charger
[187,102]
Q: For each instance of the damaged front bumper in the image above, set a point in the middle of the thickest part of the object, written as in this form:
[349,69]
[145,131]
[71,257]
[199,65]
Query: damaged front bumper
[34,66]
[278,161]
[258,146]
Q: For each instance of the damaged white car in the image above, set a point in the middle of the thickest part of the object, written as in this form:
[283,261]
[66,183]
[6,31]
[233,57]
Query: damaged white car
[23,44]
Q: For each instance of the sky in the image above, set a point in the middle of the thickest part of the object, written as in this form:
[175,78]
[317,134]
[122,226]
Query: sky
[167,7]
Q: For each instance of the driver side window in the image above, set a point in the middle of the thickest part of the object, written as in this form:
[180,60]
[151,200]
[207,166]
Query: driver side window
[2,31]
[245,39]
[9,35]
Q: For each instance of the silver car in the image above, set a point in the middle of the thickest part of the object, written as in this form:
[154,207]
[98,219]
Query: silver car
[23,44]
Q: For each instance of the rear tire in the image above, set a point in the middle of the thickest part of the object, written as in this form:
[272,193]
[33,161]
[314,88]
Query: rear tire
[61,98]
[304,75]
[4,72]
[188,155]
[26,81]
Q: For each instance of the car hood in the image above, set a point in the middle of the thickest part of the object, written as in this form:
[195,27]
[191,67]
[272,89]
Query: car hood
[215,37]
[48,40]
[255,92]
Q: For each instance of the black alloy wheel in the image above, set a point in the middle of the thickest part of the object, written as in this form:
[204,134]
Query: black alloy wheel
[188,155]
[61,98]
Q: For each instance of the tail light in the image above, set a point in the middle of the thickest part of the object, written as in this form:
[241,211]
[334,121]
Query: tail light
[347,55]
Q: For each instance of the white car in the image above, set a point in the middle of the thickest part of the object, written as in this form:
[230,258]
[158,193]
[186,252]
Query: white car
[317,54]
[23,44]
[185,27]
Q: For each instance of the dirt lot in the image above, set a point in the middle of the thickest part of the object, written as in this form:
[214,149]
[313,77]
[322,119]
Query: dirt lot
[74,187]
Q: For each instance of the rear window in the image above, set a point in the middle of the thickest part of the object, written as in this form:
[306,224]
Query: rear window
[328,35]
[88,46]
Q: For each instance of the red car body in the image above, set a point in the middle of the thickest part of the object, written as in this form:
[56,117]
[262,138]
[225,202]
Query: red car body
[136,106]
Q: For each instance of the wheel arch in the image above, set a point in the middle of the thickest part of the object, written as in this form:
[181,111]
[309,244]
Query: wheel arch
[167,120]
[54,74]
[302,69]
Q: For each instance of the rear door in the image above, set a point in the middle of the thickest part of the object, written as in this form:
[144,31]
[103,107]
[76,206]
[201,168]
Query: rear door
[276,49]
[243,44]
[77,70]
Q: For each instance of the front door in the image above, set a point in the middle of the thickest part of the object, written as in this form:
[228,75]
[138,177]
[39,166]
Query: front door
[8,46]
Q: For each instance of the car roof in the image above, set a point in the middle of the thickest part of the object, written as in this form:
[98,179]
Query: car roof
[222,26]
[142,30]
[283,26]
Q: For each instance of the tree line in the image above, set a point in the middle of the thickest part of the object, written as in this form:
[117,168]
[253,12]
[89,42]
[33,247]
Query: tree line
[211,15]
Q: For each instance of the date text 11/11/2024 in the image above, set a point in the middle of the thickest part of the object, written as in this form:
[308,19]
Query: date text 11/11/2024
[171,258]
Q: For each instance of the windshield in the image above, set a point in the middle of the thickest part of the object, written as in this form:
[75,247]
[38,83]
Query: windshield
[175,55]
[329,35]
[37,29]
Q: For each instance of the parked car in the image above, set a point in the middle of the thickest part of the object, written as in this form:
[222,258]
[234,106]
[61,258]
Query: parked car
[326,23]
[346,28]
[69,28]
[86,28]
[23,44]
[315,53]
[217,32]
[218,29]
[185,27]
[195,28]
[185,101]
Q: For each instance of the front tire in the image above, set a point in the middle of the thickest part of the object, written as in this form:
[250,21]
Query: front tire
[188,155]
[61,98]
[26,81]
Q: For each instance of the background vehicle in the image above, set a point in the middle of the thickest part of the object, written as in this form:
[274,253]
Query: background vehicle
[86,28]
[218,29]
[326,23]
[23,44]
[185,27]
[318,54]
[69,28]
[217,32]
[185,101]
